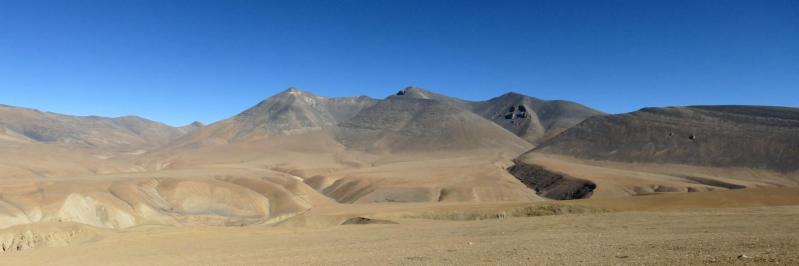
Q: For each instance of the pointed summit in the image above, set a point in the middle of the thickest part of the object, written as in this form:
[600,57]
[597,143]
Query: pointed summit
[408,123]
[294,91]
[194,126]
[413,92]
[533,119]
[289,112]
[517,96]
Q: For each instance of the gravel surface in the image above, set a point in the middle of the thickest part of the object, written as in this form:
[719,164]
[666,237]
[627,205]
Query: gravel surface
[765,235]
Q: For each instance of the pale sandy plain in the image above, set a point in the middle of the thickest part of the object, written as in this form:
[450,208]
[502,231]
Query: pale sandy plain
[665,234]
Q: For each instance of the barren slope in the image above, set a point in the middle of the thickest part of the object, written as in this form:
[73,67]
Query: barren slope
[720,136]
[678,149]
[126,133]
[36,144]
[400,124]
[532,119]
[290,112]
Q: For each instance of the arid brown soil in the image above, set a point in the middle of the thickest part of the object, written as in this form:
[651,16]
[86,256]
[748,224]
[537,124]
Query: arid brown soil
[726,236]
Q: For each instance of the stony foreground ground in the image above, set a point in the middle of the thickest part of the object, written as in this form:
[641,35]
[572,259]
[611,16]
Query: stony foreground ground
[762,235]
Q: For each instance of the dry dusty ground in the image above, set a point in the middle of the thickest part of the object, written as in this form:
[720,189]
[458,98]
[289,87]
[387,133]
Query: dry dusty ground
[667,236]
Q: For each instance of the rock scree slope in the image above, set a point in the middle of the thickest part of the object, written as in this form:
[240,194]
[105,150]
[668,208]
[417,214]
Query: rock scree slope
[719,136]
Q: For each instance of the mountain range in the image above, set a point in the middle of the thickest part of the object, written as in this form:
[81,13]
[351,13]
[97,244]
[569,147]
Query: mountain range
[414,118]
[296,152]
[127,132]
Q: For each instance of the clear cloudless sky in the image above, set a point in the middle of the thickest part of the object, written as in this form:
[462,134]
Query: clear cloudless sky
[180,61]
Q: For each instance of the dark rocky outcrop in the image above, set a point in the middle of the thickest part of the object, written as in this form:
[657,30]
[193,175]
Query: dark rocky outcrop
[551,184]
[532,119]
[364,220]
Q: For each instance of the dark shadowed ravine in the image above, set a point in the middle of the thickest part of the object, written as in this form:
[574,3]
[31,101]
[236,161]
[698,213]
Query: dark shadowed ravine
[550,184]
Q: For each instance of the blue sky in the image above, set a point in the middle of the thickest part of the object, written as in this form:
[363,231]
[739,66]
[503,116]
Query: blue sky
[180,61]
